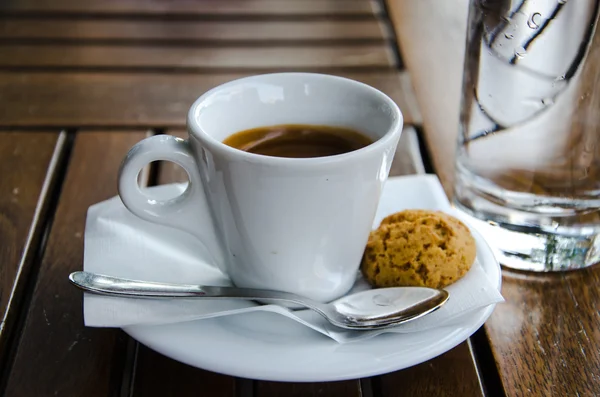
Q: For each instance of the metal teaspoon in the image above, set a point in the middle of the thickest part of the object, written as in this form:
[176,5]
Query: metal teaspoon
[366,310]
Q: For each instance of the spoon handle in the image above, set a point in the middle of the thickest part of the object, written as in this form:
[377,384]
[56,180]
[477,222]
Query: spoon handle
[116,286]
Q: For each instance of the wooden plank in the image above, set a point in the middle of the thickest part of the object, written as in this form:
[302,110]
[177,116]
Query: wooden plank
[93,30]
[56,355]
[543,343]
[407,160]
[157,375]
[451,374]
[27,165]
[195,58]
[584,351]
[206,8]
[148,100]
[548,344]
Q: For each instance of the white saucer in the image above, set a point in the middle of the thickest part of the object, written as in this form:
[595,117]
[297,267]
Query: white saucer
[268,346]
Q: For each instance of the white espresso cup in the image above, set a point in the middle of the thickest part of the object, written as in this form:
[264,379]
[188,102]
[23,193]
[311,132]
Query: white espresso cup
[290,224]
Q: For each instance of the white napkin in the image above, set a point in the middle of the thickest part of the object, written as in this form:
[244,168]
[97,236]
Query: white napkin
[118,243]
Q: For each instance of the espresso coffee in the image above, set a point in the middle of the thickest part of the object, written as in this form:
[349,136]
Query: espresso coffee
[299,141]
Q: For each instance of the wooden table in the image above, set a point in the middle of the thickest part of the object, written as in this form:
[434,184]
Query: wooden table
[82,81]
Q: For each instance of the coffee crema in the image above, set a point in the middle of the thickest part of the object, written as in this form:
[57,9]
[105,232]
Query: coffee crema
[298,141]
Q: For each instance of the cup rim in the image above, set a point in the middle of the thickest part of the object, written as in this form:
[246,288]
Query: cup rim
[212,143]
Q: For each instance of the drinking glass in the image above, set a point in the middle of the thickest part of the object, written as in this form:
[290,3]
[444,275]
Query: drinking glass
[528,154]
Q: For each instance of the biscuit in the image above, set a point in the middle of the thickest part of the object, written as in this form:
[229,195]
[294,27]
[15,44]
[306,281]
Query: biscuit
[418,248]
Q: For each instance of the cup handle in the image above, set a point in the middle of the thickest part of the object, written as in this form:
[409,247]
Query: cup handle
[188,211]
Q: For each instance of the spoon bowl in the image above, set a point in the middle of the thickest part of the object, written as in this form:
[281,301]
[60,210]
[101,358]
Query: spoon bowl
[366,310]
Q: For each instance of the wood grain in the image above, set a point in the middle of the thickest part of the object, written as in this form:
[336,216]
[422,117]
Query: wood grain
[195,58]
[216,32]
[431,36]
[56,355]
[26,174]
[583,289]
[545,336]
[451,374]
[183,8]
[130,100]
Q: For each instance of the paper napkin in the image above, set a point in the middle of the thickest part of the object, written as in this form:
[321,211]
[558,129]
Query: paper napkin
[117,243]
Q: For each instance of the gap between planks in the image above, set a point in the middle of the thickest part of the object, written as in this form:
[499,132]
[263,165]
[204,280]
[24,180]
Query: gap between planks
[37,224]
[26,276]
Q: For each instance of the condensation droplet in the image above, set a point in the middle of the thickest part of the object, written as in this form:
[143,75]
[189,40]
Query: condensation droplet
[520,52]
[562,1]
[534,103]
[509,35]
[534,21]
[548,101]
[560,80]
